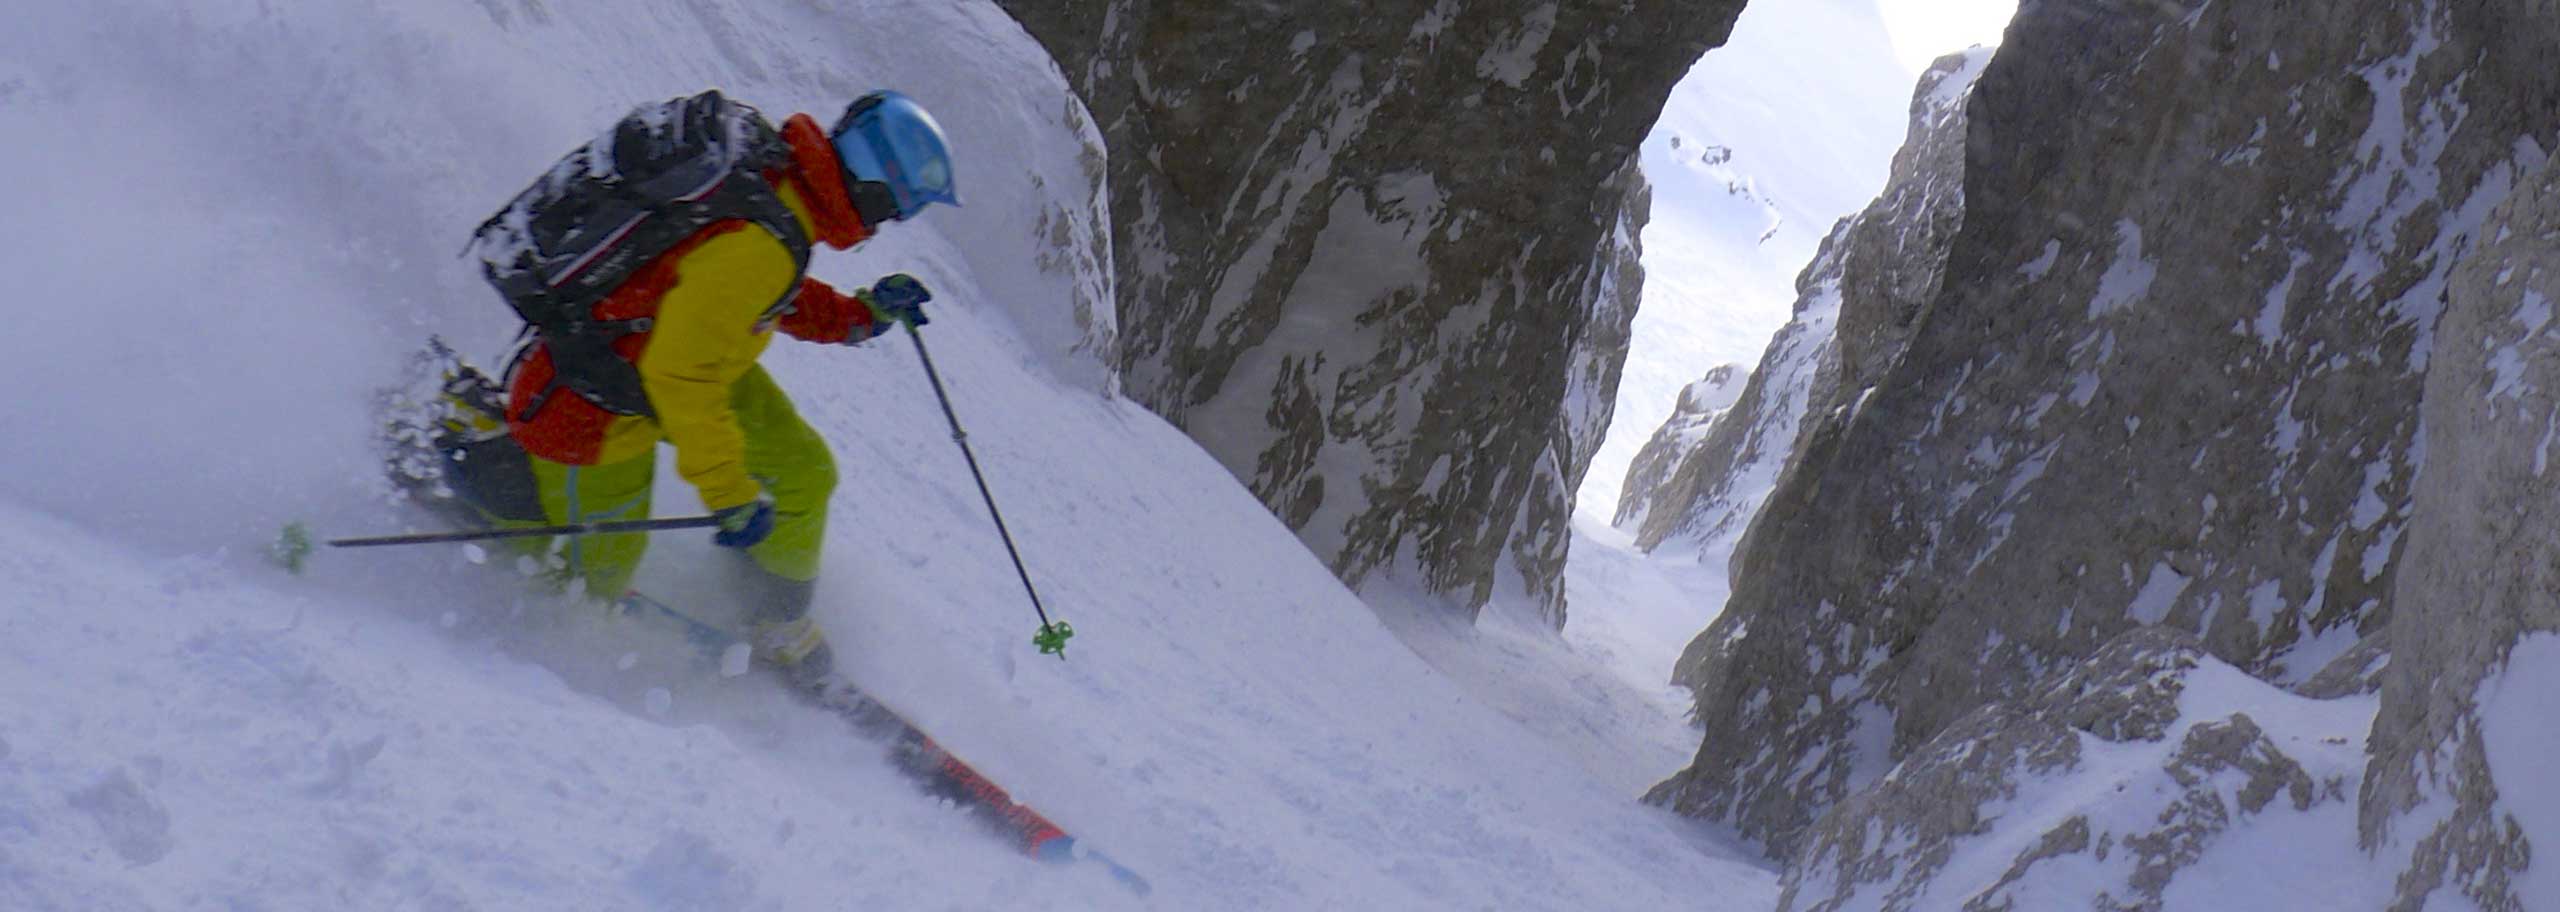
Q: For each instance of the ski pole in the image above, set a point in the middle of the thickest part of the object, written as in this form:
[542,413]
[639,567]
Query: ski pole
[585,528]
[1052,638]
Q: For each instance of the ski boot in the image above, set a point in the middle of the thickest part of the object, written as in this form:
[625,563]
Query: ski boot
[794,647]
[446,446]
[784,635]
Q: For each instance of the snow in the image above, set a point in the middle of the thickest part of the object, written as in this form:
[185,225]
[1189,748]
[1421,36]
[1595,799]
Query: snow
[2266,600]
[2370,507]
[2028,471]
[1636,612]
[2270,323]
[2519,738]
[2314,648]
[1715,396]
[2388,182]
[255,210]
[2128,276]
[1581,691]
[2249,150]
[2506,368]
[2287,437]
[1800,350]
[1956,85]
[2542,451]
[2035,269]
[1513,59]
[2283,858]
[278,747]
[2084,388]
[2533,313]
[2507,362]
[2277,858]
[1924,29]
[2159,594]
[2396,176]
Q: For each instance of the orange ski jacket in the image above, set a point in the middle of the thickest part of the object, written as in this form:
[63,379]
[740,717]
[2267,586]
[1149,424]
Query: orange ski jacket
[711,300]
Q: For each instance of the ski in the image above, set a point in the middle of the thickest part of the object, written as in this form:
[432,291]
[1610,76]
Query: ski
[446,407]
[934,769]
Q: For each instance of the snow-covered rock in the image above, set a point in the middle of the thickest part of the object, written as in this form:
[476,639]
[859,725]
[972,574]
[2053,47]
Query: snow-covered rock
[1889,257]
[2150,777]
[1701,405]
[2459,792]
[1377,256]
[1760,151]
[2173,378]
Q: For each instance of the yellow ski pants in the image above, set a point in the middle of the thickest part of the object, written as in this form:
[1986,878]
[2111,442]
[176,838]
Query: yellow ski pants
[783,453]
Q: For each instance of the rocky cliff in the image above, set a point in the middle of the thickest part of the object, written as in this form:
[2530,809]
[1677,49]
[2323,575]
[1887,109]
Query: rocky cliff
[1378,256]
[2460,785]
[2152,776]
[2172,377]
[1693,419]
[1855,304]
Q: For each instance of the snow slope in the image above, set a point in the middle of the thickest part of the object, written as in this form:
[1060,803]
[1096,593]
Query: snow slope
[183,734]
[244,215]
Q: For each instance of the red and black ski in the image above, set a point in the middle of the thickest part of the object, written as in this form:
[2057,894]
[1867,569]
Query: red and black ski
[915,754]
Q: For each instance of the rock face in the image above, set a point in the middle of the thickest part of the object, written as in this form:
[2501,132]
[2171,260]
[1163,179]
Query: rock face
[1702,405]
[2099,792]
[2459,786]
[2172,377]
[1378,256]
[1888,257]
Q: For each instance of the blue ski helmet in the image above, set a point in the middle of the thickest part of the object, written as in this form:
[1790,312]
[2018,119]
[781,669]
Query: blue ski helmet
[888,141]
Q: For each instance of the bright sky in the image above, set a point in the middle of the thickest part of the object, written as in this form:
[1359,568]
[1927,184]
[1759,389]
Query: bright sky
[1924,29]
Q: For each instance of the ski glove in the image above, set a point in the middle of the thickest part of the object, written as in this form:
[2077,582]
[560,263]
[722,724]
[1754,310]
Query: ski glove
[744,525]
[900,299]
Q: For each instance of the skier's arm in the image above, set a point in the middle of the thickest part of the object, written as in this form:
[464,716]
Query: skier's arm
[704,340]
[823,314]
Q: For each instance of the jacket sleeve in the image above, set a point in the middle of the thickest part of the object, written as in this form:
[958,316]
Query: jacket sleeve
[704,339]
[823,314]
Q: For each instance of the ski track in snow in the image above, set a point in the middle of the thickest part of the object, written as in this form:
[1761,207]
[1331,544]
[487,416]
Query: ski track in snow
[256,208]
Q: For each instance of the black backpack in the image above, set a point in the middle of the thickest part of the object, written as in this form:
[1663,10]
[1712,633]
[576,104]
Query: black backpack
[665,171]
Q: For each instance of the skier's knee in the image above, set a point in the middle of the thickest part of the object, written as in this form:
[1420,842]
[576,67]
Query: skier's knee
[821,475]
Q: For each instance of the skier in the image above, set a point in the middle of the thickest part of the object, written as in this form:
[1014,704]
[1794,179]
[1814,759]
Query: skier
[681,293]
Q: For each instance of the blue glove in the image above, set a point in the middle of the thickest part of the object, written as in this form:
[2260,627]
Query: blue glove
[900,299]
[744,525]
